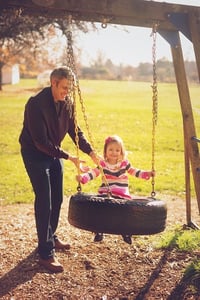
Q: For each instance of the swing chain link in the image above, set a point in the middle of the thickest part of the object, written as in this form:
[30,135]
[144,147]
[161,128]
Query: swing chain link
[91,139]
[154,104]
[72,94]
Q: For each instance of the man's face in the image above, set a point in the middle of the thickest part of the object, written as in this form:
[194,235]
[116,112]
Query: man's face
[60,89]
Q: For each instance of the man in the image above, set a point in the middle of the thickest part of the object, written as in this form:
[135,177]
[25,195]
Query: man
[48,117]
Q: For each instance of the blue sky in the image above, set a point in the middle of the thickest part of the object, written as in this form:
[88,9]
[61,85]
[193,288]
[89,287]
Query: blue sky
[128,44]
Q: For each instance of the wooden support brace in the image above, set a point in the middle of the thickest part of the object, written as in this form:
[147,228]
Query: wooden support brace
[194,21]
[187,114]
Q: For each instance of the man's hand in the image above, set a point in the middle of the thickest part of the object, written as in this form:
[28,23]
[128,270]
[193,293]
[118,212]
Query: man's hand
[79,163]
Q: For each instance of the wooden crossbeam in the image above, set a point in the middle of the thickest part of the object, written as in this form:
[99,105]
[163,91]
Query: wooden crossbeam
[125,12]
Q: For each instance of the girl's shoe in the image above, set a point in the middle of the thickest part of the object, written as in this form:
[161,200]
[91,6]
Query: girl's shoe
[98,237]
[127,239]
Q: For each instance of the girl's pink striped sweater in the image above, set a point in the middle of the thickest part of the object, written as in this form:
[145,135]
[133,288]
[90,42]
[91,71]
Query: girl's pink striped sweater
[116,177]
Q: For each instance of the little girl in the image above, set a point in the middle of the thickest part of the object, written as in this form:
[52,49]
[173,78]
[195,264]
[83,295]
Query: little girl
[115,167]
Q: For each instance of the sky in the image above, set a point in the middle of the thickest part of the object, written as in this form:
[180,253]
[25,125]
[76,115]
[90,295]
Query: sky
[129,45]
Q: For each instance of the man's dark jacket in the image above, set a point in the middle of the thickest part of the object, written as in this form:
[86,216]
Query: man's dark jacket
[46,125]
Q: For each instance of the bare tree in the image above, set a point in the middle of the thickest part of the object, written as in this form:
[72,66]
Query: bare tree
[23,31]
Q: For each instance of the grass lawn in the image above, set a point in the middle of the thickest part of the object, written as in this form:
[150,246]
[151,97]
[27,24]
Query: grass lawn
[112,107]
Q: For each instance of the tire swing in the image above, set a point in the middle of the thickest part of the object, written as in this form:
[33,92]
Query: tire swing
[106,214]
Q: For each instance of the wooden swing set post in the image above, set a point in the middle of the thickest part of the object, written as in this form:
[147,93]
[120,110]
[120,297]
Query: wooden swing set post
[191,152]
[190,146]
[187,180]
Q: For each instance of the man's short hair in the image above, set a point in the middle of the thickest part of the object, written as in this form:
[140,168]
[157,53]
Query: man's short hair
[62,72]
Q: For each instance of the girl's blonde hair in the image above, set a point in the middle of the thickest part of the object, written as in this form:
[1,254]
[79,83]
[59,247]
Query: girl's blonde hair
[114,139]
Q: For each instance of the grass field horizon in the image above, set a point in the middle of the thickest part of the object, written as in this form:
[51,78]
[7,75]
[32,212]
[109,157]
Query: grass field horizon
[112,107]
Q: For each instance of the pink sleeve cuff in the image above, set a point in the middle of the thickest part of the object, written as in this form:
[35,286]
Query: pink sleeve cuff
[84,179]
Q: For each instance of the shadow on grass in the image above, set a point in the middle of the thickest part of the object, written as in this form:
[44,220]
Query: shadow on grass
[189,285]
[187,288]
[24,271]
[145,289]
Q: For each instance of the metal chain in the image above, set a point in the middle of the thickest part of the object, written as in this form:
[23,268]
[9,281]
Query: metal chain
[71,64]
[72,96]
[154,105]
[91,140]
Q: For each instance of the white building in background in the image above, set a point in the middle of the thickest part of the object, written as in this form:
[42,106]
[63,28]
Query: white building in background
[10,74]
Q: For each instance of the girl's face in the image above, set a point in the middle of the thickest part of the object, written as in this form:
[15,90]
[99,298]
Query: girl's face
[113,152]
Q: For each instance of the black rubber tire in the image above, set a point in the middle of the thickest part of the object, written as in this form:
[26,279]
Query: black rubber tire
[141,216]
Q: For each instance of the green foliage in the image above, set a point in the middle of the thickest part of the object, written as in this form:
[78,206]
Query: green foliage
[112,107]
[189,240]
[191,279]
[193,270]
[184,240]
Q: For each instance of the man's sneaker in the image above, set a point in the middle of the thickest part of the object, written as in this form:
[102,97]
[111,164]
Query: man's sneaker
[51,264]
[98,237]
[127,239]
[59,245]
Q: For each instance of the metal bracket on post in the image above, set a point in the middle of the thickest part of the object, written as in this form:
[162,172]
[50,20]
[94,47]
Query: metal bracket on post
[193,226]
[196,139]
[171,37]
[181,22]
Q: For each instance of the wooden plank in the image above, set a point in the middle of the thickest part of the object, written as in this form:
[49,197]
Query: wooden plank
[187,114]
[195,34]
[125,12]
[187,179]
